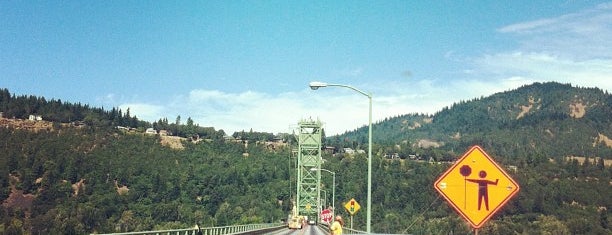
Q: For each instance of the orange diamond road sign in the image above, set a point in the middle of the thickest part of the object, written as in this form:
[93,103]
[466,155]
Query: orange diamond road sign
[352,206]
[476,186]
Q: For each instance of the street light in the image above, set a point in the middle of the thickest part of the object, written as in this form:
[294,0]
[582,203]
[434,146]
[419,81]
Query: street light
[324,203]
[317,85]
[333,188]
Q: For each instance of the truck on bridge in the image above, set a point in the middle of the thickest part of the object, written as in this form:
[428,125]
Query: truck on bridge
[295,222]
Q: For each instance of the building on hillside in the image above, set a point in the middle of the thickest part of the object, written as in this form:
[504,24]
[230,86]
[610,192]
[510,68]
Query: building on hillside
[513,168]
[150,131]
[33,117]
[165,132]
[278,139]
[392,156]
[78,124]
[329,149]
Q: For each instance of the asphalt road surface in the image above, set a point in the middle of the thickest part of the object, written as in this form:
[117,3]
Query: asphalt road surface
[306,230]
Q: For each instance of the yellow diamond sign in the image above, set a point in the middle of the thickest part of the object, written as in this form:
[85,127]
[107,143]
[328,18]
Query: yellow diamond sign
[476,186]
[352,206]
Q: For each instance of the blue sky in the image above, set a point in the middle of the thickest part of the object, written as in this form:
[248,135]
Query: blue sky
[241,65]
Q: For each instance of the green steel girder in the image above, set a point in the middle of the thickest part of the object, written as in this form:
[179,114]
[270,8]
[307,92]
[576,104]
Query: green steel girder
[309,157]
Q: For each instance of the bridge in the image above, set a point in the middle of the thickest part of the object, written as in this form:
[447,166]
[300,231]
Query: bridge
[255,229]
[307,200]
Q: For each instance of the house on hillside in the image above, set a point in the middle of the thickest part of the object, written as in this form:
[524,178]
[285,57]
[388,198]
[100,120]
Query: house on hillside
[278,139]
[150,131]
[392,156]
[33,117]
[78,124]
[513,168]
[329,149]
[165,132]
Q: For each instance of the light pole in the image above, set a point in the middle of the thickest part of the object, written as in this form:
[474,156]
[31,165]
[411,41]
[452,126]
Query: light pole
[324,200]
[317,85]
[333,188]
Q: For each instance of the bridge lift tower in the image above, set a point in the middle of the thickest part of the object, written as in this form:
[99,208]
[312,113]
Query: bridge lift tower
[309,157]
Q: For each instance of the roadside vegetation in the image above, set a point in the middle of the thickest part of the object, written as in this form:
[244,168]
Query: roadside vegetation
[68,177]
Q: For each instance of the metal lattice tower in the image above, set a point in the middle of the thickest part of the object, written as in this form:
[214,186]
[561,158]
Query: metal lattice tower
[309,156]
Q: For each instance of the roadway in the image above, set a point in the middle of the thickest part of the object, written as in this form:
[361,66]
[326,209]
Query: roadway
[306,230]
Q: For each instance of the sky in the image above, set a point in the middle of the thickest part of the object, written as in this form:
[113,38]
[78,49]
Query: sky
[246,65]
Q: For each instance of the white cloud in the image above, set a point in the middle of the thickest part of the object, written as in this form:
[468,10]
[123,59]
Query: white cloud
[543,67]
[339,109]
[574,48]
[582,35]
[228,111]
[526,27]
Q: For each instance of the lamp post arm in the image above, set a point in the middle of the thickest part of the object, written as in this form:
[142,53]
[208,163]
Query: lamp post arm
[316,85]
[352,88]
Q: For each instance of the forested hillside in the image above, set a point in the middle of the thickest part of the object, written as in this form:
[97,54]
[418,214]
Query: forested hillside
[67,179]
[75,181]
[549,120]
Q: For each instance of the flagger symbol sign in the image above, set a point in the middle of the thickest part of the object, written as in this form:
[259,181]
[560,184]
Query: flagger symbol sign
[476,186]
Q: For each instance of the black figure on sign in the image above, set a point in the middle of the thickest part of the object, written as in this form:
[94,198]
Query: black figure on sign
[483,192]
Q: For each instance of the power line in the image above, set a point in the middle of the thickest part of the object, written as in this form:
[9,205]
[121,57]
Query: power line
[422,213]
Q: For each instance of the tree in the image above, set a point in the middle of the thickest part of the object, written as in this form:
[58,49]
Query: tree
[178,120]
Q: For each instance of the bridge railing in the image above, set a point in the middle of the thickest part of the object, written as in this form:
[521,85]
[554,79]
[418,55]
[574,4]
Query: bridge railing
[345,230]
[222,230]
[352,231]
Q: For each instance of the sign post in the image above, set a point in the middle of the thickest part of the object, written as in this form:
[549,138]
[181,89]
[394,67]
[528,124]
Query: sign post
[476,187]
[352,207]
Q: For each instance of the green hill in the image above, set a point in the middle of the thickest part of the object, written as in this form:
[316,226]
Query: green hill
[78,173]
[550,119]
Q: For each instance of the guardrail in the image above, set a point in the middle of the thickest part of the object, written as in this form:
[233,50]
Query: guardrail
[352,231]
[345,230]
[233,229]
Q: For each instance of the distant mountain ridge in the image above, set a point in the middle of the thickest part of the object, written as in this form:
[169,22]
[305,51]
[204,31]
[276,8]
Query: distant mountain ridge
[552,119]
[63,178]
[544,119]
